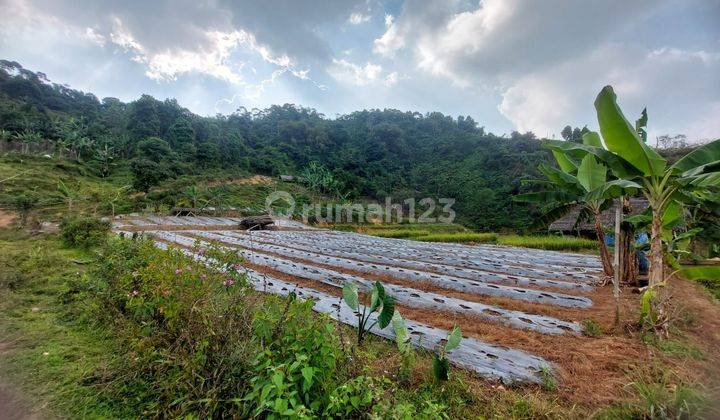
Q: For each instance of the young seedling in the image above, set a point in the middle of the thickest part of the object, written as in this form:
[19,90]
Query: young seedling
[402,339]
[379,300]
[441,365]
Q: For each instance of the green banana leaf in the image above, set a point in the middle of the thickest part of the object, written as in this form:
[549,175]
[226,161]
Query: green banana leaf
[622,139]
[699,157]
[591,173]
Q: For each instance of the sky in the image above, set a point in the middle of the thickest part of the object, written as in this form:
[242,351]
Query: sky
[525,65]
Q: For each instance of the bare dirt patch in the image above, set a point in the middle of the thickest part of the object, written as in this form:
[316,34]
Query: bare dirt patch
[6,218]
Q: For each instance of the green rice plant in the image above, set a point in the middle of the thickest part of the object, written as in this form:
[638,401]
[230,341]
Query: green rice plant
[551,243]
[441,365]
[459,237]
[379,300]
[405,234]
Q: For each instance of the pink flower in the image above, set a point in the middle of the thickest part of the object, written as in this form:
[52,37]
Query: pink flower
[237,266]
[178,271]
[165,292]
[229,282]
[203,277]
[133,293]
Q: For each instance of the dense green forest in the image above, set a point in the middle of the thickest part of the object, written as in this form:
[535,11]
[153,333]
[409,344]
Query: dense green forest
[371,153]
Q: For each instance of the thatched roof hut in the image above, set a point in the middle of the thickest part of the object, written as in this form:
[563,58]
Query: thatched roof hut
[569,224]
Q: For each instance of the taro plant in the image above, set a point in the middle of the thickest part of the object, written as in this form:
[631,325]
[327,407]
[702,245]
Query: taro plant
[405,348]
[441,365]
[379,301]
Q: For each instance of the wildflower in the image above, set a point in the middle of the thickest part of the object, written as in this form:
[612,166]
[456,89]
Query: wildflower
[165,292]
[135,273]
[178,271]
[237,266]
[229,282]
[203,277]
[134,293]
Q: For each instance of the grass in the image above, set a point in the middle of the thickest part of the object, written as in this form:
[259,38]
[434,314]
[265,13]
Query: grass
[52,353]
[551,243]
[450,232]
[460,237]
[39,177]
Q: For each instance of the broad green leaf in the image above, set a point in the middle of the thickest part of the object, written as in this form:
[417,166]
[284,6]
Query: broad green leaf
[640,125]
[374,299]
[701,156]
[622,139]
[307,374]
[591,173]
[619,166]
[613,189]
[350,294]
[378,294]
[564,162]
[704,180]
[402,336]
[557,176]
[703,169]
[672,214]
[387,311]
[689,234]
[453,340]
[592,138]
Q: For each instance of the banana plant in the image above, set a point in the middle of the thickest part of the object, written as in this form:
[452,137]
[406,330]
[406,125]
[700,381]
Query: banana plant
[698,171]
[441,365]
[632,160]
[580,183]
[379,301]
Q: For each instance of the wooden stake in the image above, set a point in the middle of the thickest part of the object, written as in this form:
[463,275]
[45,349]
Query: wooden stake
[616,259]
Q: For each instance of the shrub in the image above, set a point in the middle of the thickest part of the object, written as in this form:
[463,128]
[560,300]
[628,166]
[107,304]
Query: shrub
[186,327]
[83,232]
[295,371]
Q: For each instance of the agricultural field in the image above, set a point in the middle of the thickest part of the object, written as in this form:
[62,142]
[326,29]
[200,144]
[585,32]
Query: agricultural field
[527,316]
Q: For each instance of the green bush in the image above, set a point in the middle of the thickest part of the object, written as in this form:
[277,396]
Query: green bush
[83,232]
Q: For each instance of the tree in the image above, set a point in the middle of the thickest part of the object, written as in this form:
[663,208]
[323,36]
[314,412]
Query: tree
[573,184]
[637,165]
[147,173]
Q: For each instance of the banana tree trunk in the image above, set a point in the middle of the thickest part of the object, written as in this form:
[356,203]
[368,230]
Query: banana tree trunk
[626,244]
[655,272]
[604,253]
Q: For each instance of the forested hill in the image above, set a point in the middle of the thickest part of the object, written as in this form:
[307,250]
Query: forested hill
[373,153]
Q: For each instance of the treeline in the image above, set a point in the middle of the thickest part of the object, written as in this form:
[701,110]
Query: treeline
[371,153]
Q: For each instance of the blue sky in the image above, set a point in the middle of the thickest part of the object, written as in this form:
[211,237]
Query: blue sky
[510,64]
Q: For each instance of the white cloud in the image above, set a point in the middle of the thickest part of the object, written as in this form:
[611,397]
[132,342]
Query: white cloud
[347,72]
[391,41]
[668,81]
[358,19]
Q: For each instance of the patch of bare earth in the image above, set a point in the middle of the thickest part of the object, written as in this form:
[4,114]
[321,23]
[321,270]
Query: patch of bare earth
[6,218]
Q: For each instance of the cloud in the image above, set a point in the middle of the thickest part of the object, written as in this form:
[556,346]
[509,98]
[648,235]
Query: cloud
[347,72]
[358,19]
[668,81]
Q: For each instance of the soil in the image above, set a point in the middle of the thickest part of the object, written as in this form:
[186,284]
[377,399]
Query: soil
[6,218]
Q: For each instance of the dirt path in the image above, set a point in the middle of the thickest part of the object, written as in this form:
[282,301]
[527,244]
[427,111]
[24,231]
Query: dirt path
[11,407]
